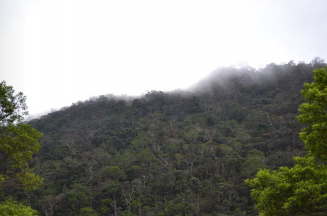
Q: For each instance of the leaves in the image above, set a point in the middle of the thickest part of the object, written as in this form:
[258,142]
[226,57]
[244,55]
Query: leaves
[302,188]
[12,107]
[314,114]
[17,145]
[11,207]
[288,191]
[18,142]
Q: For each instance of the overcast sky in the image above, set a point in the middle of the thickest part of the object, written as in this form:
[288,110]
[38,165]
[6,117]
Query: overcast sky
[60,52]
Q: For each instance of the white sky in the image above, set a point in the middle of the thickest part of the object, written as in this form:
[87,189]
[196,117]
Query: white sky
[60,51]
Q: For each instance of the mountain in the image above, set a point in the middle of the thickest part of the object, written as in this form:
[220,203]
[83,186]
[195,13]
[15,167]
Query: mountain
[171,153]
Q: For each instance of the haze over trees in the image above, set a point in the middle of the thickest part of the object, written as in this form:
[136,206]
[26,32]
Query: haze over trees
[176,153]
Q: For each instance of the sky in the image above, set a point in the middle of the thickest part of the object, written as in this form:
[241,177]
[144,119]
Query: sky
[60,52]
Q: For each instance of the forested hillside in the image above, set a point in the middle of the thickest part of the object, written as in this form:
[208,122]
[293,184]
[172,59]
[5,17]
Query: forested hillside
[176,153]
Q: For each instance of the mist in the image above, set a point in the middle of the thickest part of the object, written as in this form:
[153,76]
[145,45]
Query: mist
[228,77]
[62,52]
[223,79]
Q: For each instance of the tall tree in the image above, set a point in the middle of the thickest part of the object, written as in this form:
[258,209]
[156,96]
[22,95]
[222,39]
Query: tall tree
[18,142]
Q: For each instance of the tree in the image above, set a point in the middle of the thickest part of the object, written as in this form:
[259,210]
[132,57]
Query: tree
[12,107]
[87,211]
[314,114]
[11,207]
[18,142]
[254,161]
[302,189]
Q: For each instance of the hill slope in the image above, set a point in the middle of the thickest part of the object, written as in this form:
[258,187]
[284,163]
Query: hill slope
[184,153]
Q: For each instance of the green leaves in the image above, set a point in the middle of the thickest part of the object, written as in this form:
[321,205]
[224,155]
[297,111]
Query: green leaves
[254,161]
[12,107]
[112,172]
[17,145]
[291,190]
[18,142]
[314,114]
[301,189]
[11,207]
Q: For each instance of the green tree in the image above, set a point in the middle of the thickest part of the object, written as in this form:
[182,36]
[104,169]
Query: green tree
[112,172]
[17,145]
[254,161]
[87,211]
[18,142]
[314,114]
[11,207]
[112,189]
[302,189]
[12,106]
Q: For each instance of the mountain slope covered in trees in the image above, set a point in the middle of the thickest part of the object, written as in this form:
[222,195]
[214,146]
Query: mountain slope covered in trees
[177,153]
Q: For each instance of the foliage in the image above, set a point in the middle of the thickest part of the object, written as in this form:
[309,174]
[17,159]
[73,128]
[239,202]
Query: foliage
[12,107]
[11,207]
[302,189]
[314,114]
[87,211]
[182,153]
[18,142]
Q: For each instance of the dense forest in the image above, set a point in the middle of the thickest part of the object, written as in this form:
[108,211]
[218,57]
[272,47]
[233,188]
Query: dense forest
[169,153]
